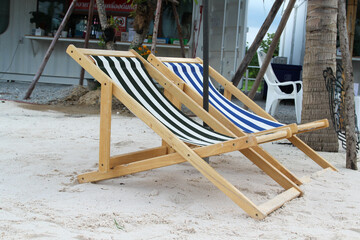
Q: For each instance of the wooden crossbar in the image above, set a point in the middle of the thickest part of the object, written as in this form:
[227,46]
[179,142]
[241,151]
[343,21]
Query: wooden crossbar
[137,156]
[179,60]
[158,157]
[276,202]
[100,52]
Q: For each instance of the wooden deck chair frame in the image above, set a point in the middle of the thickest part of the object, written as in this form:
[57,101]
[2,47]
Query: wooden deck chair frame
[231,90]
[175,151]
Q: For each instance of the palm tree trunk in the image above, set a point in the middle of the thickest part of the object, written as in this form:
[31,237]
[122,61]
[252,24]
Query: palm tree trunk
[144,13]
[351,161]
[104,24]
[320,53]
[156,26]
[178,26]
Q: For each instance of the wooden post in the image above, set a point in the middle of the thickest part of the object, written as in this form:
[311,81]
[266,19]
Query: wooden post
[105,126]
[206,56]
[156,26]
[351,22]
[198,34]
[87,36]
[50,50]
[206,61]
[351,159]
[272,48]
[256,43]
[176,16]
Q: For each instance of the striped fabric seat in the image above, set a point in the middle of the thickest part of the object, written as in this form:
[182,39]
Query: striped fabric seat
[131,76]
[192,74]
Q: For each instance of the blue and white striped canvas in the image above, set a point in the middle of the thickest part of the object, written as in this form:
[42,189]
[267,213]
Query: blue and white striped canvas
[192,74]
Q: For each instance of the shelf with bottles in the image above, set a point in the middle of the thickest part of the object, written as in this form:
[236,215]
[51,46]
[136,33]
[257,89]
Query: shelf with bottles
[96,41]
[75,31]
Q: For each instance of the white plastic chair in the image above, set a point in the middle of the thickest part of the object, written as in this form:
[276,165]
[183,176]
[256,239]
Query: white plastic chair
[275,94]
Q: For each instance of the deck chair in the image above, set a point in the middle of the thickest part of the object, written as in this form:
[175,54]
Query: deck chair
[274,92]
[128,78]
[235,118]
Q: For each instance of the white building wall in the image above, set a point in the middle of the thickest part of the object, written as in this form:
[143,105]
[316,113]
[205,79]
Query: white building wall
[229,63]
[292,41]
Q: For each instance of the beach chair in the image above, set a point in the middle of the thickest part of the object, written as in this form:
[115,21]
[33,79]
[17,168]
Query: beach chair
[274,92]
[128,78]
[235,118]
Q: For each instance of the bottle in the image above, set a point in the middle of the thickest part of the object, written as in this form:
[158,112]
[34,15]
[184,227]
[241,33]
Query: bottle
[84,26]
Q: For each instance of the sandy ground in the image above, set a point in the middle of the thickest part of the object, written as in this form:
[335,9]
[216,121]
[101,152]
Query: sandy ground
[43,149]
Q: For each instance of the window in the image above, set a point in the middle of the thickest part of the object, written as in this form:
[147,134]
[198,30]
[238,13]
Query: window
[169,29]
[4,15]
[49,15]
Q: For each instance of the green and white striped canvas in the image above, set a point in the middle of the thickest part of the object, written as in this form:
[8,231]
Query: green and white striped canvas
[130,75]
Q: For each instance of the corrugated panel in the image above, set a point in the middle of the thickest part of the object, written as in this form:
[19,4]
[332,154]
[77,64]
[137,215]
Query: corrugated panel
[216,30]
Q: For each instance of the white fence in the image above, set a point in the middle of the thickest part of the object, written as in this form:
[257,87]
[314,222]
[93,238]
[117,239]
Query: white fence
[244,82]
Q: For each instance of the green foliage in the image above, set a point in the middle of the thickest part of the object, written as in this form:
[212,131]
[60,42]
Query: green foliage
[264,46]
[133,3]
[118,226]
[113,23]
[101,42]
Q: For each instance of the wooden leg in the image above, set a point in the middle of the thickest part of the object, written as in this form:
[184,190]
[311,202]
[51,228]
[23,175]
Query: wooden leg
[130,168]
[172,99]
[277,164]
[105,126]
[160,157]
[227,94]
[195,158]
[220,182]
[279,200]
[269,169]
[169,148]
[137,156]
[233,193]
[311,153]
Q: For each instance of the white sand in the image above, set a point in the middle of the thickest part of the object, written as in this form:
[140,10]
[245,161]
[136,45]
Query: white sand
[42,152]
